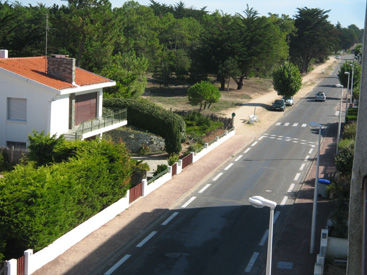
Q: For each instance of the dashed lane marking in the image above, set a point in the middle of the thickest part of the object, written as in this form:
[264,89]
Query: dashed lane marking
[302,166]
[286,124]
[118,264]
[170,218]
[248,149]
[188,202]
[204,188]
[284,200]
[296,177]
[310,152]
[229,166]
[251,262]
[253,144]
[238,158]
[291,187]
[295,124]
[304,125]
[217,176]
[146,239]
[266,233]
[278,123]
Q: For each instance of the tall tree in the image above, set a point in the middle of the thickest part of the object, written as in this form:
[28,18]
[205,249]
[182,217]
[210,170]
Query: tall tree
[313,39]
[287,80]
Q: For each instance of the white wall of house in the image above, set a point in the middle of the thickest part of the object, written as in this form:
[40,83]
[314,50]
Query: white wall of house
[59,123]
[38,98]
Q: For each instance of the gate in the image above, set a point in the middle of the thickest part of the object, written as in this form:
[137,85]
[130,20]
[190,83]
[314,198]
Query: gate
[174,169]
[20,266]
[135,192]
[187,160]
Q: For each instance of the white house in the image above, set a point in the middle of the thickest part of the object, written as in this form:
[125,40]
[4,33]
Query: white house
[51,94]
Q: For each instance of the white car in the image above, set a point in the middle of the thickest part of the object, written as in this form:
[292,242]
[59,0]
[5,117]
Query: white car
[320,96]
[339,85]
[288,101]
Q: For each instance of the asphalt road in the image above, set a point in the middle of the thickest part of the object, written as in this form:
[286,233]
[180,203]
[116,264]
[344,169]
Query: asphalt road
[215,230]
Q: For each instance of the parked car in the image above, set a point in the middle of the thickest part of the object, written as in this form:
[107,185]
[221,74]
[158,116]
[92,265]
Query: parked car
[279,105]
[320,96]
[288,101]
[339,85]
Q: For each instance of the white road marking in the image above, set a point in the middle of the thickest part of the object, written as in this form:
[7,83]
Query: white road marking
[278,123]
[286,124]
[146,239]
[295,138]
[229,166]
[279,138]
[296,177]
[336,113]
[302,166]
[266,233]
[238,158]
[217,176]
[272,137]
[303,143]
[307,157]
[204,188]
[170,218]
[313,146]
[291,187]
[260,138]
[188,202]
[251,262]
[310,152]
[253,144]
[248,149]
[284,200]
[118,264]
[304,125]
[295,124]
[295,141]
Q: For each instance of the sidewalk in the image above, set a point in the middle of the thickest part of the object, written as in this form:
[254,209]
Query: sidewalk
[292,243]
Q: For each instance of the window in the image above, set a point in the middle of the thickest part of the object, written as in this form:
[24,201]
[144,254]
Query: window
[17,109]
[16,145]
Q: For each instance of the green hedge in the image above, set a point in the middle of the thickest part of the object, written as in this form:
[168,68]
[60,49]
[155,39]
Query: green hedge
[148,116]
[40,204]
[352,114]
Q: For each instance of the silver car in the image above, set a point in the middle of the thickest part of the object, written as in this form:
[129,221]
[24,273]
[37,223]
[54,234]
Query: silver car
[320,96]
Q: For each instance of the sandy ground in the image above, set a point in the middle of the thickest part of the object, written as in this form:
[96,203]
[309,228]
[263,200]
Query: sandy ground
[265,117]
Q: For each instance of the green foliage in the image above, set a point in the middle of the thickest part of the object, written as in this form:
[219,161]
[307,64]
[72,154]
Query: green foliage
[344,158]
[148,116]
[196,147]
[204,94]
[352,114]
[348,67]
[39,204]
[160,169]
[287,80]
[173,158]
[198,126]
[350,130]
[129,72]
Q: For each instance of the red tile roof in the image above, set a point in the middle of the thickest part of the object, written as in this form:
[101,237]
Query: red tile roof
[35,68]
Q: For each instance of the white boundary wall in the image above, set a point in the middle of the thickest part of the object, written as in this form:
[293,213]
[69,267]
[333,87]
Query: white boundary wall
[35,261]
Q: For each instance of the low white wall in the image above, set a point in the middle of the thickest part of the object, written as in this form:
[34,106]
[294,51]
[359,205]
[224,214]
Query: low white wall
[66,241]
[149,188]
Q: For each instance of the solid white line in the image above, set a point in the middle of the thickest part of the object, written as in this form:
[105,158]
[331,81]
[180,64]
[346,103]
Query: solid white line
[307,157]
[304,125]
[290,189]
[146,239]
[117,265]
[251,262]
[170,218]
[302,166]
[188,202]
[217,176]
[266,233]
[229,166]
[284,200]
[253,144]
[286,124]
[204,188]
[278,123]
[260,138]
[248,149]
[310,152]
[238,158]
[296,177]
[295,124]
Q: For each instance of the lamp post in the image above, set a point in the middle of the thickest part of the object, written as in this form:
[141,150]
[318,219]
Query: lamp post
[314,207]
[351,86]
[259,202]
[340,120]
[348,73]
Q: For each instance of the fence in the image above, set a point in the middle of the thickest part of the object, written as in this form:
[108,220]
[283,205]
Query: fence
[14,155]
[20,266]
[136,192]
[187,160]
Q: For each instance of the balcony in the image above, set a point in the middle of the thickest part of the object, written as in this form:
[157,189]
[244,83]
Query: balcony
[97,126]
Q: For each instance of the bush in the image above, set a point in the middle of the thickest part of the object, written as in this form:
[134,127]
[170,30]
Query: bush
[40,204]
[344,158]
[160,169]
[148,116]
[172,159]
[350,130]
[352,114]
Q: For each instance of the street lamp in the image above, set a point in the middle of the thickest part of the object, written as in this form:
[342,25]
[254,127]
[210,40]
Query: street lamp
[314,207]
[346,95]
[351,88]
[340,120]
[259,202]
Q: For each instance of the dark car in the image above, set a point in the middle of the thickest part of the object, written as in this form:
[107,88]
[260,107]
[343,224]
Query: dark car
[279,105]
[320,96]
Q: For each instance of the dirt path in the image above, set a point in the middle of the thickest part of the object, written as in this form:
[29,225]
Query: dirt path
[267,118]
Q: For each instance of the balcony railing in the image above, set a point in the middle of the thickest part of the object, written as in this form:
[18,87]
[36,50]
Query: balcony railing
[95,124]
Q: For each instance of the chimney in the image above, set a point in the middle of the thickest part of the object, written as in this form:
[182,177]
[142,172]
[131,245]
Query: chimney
[3,53]
[61,67]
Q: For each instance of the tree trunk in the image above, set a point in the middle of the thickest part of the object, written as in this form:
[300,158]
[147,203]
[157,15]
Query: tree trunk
[240,82]
[229,80]
[222,83]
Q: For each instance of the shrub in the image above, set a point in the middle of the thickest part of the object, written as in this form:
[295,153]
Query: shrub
[160,169]
[146,115]
[344,158]
[40,204]
[352,114]
[172,159]
[350,130]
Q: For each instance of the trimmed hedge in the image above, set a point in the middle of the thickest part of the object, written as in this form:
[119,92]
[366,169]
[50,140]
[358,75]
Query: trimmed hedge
[40,204]
[148,116]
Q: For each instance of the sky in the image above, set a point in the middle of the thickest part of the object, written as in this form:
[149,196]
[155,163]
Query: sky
[346,12]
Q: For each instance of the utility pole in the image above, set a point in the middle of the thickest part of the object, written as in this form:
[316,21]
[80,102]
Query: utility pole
[357,235]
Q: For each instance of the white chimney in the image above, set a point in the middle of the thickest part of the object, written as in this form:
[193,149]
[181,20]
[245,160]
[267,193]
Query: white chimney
[3,53]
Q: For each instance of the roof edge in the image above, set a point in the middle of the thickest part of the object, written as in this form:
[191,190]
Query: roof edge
[87,87]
